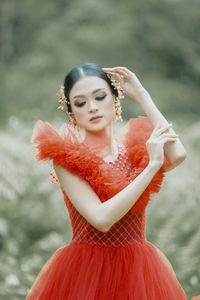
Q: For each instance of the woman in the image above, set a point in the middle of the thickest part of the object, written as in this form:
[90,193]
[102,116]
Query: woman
[107,181]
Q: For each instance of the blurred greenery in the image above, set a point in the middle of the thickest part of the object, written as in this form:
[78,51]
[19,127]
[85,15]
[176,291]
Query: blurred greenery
[40,41]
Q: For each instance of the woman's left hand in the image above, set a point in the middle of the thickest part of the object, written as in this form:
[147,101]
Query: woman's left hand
[128,80]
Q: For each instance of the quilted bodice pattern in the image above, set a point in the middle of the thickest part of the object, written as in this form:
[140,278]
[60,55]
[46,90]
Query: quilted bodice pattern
[128,230]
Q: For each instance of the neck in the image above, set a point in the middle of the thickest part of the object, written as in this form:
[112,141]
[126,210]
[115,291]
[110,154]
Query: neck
[106,135]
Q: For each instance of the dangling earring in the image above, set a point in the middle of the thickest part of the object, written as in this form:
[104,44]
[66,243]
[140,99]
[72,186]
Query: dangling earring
[64,103]
[72,120]
[120,91]
[118,110]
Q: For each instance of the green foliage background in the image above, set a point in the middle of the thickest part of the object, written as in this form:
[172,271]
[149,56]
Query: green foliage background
[40,42]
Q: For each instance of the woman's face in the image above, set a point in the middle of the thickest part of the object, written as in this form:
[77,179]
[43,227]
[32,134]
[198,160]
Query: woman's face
[92,97]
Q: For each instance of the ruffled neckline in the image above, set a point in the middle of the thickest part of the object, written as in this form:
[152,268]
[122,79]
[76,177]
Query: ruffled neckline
[79,156]
[94,145]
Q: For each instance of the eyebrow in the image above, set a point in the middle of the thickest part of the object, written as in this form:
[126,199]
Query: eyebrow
[95,91]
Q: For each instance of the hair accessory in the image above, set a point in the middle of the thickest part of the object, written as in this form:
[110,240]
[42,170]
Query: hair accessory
[117,86]
[62,99]
[72,120]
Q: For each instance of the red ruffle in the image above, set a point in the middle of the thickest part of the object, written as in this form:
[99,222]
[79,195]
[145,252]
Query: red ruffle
[135,135]
[138,131]
[78,157]
[69,150]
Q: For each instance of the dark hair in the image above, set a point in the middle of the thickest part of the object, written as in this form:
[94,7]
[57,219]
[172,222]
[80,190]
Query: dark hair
[88,69]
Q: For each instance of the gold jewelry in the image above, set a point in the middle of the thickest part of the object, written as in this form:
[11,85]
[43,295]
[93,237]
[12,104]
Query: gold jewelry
[118,110]
[63,101]
[72,120]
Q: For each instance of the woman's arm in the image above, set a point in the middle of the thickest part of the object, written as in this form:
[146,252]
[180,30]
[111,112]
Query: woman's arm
[175,152]
[103,215]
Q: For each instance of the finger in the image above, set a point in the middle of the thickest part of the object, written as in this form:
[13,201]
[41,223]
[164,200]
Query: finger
[168,139]
[126,71]
[168,135]
[122,72]
[163,129]
[118,76]
[156,128]
[122,68]
[107,69]
[111,73]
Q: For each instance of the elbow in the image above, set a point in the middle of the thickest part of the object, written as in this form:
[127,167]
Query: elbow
[181,157]
[102,225]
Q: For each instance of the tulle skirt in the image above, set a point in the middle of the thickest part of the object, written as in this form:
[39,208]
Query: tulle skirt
[89,272]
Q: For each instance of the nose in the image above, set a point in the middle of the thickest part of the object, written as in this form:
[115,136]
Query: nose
[92,107]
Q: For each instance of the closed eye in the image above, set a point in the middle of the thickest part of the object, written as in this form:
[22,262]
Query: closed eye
[82,103]
[79,104]
[100,97]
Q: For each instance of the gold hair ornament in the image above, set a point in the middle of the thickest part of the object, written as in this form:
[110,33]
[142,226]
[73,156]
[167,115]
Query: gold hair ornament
[117,86]
[63,101]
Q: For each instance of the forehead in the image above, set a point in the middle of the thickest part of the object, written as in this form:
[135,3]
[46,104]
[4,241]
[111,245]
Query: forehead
[87,85]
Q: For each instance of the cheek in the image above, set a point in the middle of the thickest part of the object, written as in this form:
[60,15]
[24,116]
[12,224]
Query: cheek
[109,106]
[80,115]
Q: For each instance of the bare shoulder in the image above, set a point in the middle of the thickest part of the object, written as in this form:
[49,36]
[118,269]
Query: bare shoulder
[67,179]
[81,195]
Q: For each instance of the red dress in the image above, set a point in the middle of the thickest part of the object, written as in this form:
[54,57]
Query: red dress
[114,265]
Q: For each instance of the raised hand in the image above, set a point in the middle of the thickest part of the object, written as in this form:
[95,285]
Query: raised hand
[128,80]
[160,135]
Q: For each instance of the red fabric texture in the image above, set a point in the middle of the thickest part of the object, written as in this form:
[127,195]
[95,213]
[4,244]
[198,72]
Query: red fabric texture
[120,263]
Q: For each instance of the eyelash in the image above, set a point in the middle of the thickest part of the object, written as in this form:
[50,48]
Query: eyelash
[99,98]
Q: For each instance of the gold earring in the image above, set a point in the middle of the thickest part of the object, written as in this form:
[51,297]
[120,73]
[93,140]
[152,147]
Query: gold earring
[118,110]
[120,92]
[72,120]
[64,102]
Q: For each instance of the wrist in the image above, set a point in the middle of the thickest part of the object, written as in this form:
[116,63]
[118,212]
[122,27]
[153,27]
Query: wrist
[154,167]
[142,95]
[137,95]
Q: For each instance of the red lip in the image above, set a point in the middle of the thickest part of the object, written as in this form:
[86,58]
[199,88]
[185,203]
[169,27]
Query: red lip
[95,117]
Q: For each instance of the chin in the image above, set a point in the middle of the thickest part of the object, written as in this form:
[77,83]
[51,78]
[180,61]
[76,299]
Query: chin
[97,127]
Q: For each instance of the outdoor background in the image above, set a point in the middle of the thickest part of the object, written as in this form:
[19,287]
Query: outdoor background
[40,42]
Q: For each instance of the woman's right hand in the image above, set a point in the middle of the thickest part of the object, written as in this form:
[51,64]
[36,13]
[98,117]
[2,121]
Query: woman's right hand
[160,135]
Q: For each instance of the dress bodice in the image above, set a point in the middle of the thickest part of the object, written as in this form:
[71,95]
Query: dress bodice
[128,230]
[106,179]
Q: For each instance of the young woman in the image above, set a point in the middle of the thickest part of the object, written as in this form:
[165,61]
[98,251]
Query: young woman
[107,180]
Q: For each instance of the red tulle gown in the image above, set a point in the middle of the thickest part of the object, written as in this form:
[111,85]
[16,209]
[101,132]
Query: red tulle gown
[119,264]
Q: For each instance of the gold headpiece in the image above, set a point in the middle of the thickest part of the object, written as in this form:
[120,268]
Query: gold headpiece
[62,99]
